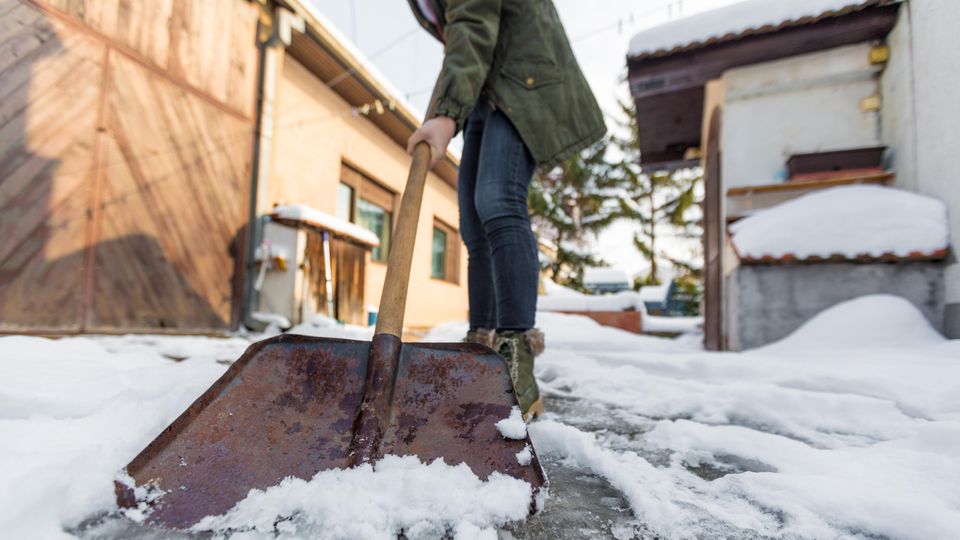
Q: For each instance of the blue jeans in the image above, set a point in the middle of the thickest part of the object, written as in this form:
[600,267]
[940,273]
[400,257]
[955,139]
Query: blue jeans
[503,268]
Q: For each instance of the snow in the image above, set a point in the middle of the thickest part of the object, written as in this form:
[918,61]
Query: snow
[323,220]
[621,301]
[513,426]
[850,221]
[560,298]
[730,21]
[810,438]
[595,276]
[654,293]
[397,493]
[849,428]
[653,324]
[525,456]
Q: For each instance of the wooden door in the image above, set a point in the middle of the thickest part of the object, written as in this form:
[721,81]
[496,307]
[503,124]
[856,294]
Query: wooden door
[349,280]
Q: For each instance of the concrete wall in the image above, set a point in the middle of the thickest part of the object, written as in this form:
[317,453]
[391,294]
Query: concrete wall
[807,103]
[921,117]
[770,302]
[315,134]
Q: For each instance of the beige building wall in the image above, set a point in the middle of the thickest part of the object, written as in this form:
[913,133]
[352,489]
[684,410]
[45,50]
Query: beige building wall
[315,132]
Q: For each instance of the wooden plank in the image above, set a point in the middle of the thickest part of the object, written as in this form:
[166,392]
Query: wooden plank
[811,185]
[49,88]
[349,282]
[210,45]
[713,237]
[175,199]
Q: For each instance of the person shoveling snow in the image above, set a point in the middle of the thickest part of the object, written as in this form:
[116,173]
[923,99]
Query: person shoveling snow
[514,88]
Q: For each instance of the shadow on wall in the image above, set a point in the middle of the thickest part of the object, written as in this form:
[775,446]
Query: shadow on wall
[42,207]
[90,245]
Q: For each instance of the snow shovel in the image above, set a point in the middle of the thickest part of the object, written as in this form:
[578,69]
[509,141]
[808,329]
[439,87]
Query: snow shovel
[295,405]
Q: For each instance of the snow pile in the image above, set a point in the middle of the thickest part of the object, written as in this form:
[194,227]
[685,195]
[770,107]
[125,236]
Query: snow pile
[850,221]
[621,301]
[880,320]
[848,428]
[396,494]
[320,325]
[513,427]
[323,220]
[604,276]
[730,21]
[672,325]
[655,293]
[560,298]
[74,411]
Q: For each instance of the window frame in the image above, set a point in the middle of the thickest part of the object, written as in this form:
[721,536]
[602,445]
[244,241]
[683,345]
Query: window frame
[451,254]
[374,193]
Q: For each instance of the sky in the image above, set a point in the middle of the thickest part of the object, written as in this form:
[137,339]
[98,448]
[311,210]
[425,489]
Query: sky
[600,30]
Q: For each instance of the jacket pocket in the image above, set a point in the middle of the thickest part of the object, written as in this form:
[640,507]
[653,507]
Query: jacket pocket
[533,73]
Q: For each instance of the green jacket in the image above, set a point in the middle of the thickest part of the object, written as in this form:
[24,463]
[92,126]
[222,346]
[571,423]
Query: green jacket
[516,54]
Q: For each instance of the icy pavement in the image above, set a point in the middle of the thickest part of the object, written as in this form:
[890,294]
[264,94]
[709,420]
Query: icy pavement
[848,429]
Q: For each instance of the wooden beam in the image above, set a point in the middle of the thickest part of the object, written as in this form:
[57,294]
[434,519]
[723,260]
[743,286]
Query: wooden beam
[879,178]
[671,73]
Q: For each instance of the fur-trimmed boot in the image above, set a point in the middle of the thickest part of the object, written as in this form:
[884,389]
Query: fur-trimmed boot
[519,350]
[481,336]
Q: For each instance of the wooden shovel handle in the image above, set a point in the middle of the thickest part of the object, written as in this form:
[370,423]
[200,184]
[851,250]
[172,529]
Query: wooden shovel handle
[393,301]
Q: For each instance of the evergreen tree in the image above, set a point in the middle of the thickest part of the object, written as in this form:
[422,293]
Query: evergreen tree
[663,203]
[568,202]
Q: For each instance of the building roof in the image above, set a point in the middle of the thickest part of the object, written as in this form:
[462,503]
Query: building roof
[736,21]
[329,54]
[301,214]
[850,223]
[671,64]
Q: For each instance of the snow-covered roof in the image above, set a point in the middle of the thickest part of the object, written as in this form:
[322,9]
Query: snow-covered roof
[738,20]
[850,222]
[605,275]
[655,293]
[322,220]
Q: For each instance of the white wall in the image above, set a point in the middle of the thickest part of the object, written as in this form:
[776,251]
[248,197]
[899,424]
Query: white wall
[808,103]
[922,116]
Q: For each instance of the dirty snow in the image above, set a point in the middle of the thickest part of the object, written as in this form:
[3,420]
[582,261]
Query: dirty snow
[848,428]
[730,20]
[848,221]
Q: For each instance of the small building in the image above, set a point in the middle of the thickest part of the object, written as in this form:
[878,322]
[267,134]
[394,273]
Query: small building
[148,145]
[779,101]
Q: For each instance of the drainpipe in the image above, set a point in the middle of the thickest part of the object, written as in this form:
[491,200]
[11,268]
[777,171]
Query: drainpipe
[275,31]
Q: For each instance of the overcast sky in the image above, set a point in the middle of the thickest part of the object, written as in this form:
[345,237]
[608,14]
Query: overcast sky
[600,30]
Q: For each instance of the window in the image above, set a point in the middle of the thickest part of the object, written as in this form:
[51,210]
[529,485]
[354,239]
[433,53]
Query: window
[362,201]
[378,221]
[445,253]
[438,266]
[345,202]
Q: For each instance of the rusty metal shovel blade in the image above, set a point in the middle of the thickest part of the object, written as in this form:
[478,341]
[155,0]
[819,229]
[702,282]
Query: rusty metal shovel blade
[296,405]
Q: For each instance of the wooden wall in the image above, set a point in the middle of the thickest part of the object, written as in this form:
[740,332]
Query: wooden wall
[126,132]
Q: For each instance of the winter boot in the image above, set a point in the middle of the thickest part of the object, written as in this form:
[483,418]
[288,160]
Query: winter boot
[481,336]
[519,349]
